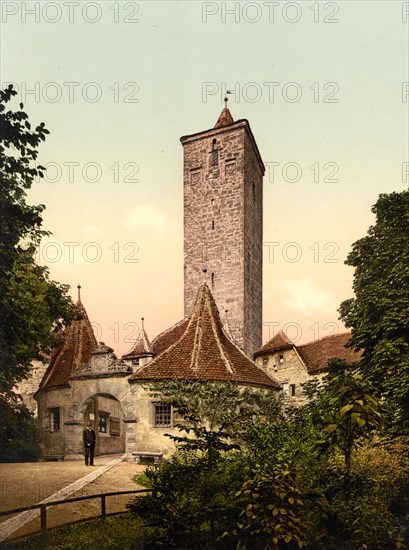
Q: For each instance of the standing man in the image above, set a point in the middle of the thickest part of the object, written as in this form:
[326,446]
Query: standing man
[88,437]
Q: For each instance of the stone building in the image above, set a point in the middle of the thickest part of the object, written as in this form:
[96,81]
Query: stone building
[223,223]
[293,365]
[86,382]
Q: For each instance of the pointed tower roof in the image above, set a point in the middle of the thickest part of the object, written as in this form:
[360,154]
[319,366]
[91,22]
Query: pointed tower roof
[278,342]
[79,342]
[204,352]
[142,346]
[225,117]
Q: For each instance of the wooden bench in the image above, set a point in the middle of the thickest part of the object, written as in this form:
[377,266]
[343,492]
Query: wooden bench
[140,455]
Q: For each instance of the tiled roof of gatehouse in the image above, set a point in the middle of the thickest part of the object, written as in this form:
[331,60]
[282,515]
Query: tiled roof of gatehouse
[204,352]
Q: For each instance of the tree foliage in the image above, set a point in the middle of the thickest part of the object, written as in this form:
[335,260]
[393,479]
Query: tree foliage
[379,313]
[33,307]
[350,410]
[294,481]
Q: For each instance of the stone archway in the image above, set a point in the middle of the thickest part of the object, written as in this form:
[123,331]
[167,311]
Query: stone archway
[83,392]
[105,412]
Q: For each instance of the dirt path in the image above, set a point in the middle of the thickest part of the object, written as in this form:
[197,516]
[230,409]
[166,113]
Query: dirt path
[26,484]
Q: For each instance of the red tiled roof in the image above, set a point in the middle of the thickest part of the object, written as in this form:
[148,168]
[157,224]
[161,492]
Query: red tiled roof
[141,347]
[224,119]
[79,342]
[317,354]
[204,352]
[279,341]
[169,336]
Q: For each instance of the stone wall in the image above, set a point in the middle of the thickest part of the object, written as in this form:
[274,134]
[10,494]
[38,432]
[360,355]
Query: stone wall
[253,248]
[132,403]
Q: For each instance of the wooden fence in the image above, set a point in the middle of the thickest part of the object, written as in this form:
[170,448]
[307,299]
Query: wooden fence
[43,508]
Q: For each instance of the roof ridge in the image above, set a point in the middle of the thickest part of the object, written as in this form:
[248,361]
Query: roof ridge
[198,333]
[229,364]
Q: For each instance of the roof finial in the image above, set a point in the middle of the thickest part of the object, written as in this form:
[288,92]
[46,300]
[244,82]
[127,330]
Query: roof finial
[205,275]
[79,292]
[226,99]
[142,319]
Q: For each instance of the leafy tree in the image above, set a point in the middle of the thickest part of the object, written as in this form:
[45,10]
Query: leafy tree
[379,313]
[353,412]
[33,308]
[215,413]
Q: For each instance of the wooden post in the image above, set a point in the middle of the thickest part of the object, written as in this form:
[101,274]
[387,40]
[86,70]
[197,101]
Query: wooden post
[103,507]
[43,518]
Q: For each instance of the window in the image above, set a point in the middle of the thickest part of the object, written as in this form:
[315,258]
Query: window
[254,193]
[103,422]
[212,280]
[135,361]
[265,361]
[114,426]
[55,419]
[214,155]
[212,224]
[281,359]
[289,390]
[162,415]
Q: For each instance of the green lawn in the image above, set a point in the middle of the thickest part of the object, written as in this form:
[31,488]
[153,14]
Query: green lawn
[121,532]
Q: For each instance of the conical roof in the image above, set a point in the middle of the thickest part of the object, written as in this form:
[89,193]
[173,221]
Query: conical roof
[278,342]
[224,119]
[204,352]
[141,348]
[79,342]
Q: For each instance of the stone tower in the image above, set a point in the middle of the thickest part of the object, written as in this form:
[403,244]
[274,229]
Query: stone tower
[223,220]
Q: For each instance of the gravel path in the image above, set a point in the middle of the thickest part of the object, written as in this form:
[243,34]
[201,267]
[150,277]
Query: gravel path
[26,484]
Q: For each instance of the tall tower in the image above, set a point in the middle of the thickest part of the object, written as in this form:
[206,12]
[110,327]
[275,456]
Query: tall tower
[223,224]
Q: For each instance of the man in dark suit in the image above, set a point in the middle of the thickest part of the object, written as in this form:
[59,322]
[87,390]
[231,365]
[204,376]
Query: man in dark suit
[88,436]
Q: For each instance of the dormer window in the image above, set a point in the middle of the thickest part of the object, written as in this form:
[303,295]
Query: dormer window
[135,361]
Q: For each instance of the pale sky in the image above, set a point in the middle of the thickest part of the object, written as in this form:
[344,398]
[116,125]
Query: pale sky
[118,83]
